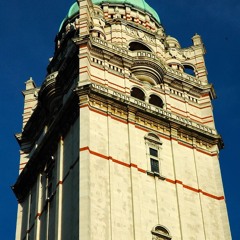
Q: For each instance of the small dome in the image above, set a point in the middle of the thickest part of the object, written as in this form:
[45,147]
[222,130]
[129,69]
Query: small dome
[172,42]
[74,9]
[139,4]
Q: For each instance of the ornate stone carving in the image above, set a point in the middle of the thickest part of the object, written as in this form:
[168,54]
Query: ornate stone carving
[139,34]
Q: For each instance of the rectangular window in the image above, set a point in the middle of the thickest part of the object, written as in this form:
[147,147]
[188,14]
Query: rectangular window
[154,165]
[153,152]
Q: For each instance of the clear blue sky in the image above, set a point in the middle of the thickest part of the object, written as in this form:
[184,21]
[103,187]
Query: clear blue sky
[27,33]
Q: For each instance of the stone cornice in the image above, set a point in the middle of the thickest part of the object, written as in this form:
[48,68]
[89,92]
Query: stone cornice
[31,91]
[119,109]
[153,110]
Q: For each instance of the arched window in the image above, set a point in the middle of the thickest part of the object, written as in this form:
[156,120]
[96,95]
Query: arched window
[160,232]
[137,93]
[156,101]
[153,145]
[134,46]
[189,70]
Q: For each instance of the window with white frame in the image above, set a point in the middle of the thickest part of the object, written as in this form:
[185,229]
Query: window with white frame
[153,145]
[153,153]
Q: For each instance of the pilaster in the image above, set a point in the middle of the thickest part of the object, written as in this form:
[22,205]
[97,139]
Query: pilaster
[59,190]
[178,175]
[84,168]
[85,7]
[134,173]
[201,70]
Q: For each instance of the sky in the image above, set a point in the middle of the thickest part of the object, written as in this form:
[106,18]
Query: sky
[27,33]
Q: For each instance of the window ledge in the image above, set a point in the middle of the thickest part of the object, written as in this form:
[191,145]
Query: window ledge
[155,174]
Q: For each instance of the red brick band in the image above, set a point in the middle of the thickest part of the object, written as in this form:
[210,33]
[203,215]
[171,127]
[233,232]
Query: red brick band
[144,171]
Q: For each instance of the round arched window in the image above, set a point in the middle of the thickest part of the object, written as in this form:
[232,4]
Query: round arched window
[156,101]
[138,93]
[189,70]
[134,46]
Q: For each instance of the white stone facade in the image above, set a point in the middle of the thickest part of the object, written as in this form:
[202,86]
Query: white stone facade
[100,162]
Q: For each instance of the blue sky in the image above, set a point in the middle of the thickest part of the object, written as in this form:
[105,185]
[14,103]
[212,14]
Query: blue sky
[27,33]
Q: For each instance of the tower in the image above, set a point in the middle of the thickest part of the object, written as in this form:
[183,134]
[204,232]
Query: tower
[119,142]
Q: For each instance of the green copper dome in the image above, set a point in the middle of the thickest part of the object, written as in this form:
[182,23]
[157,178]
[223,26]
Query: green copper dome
[139,4]
[74,9]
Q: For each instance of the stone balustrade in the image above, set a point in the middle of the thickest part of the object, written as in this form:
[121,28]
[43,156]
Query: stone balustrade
[147,55]
[153,109]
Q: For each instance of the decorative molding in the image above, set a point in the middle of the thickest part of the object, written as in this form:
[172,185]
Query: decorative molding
[158,112]
[160,232]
